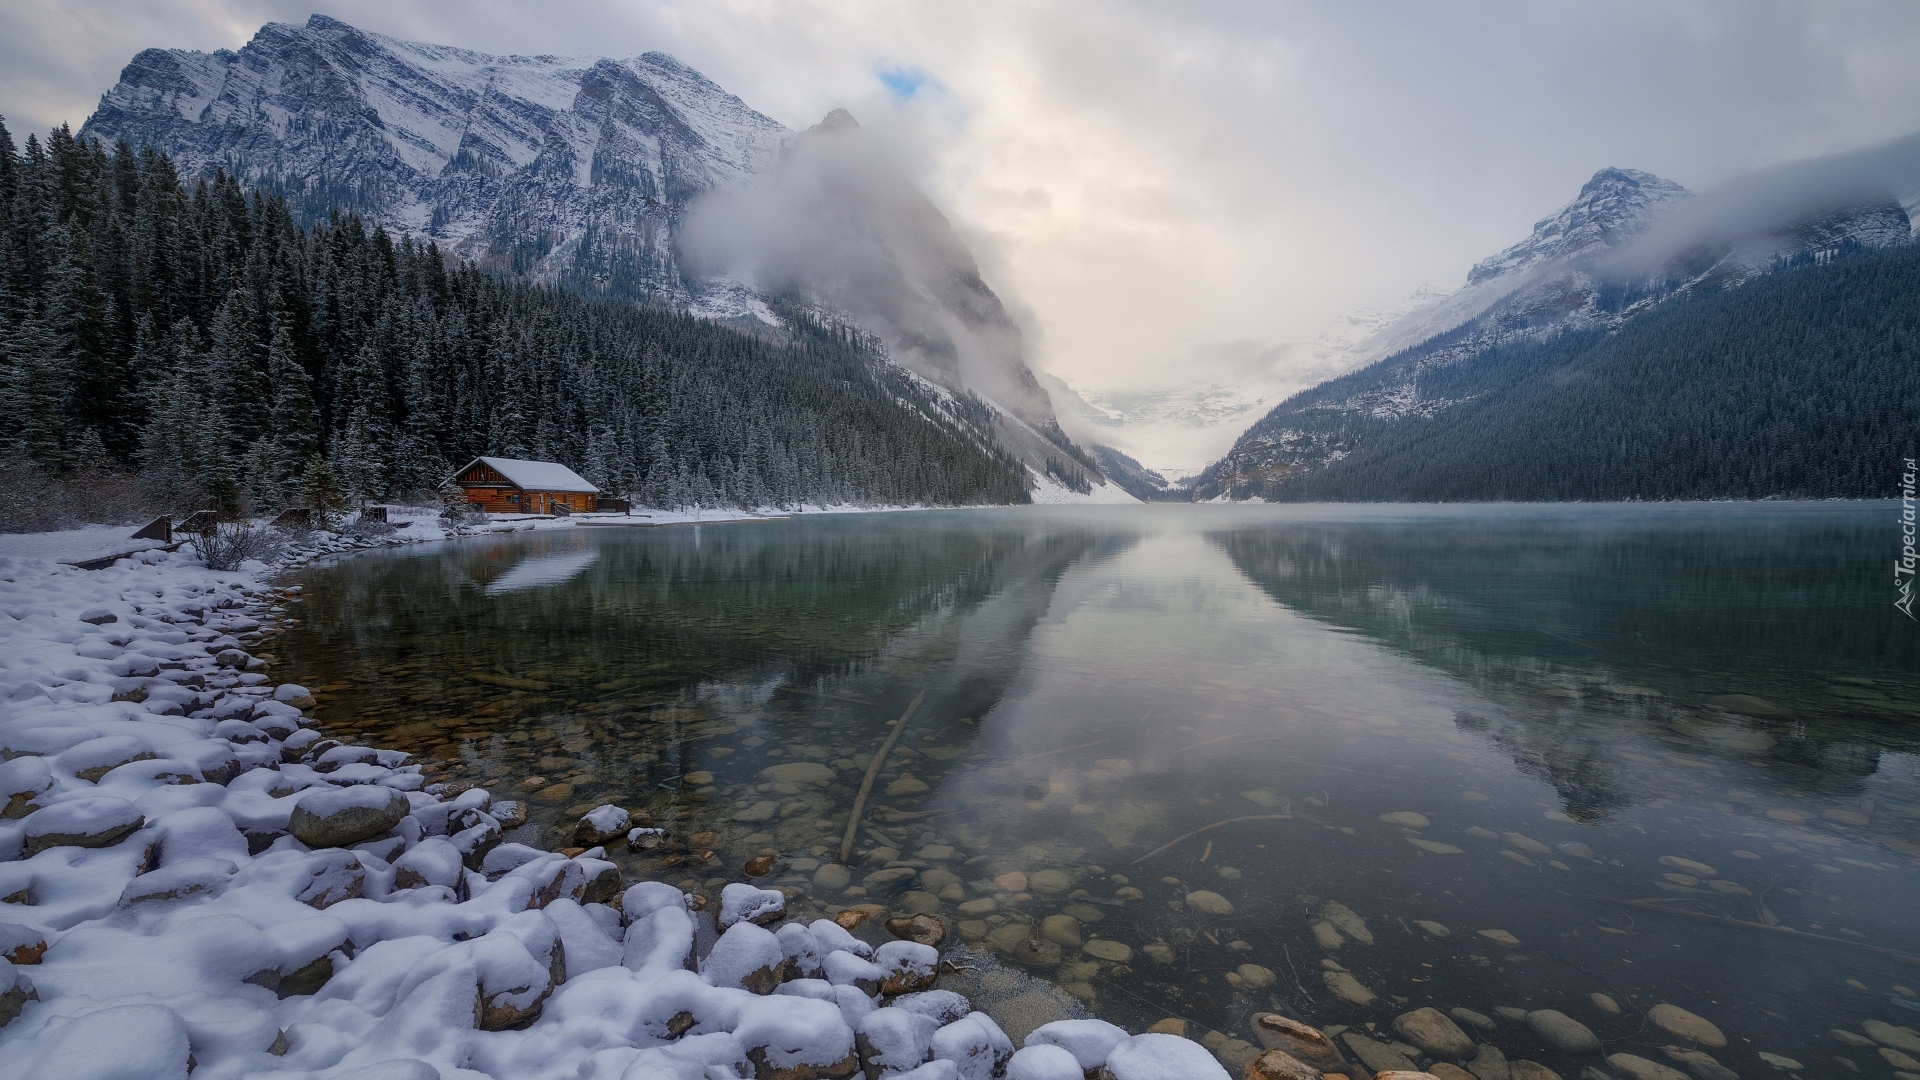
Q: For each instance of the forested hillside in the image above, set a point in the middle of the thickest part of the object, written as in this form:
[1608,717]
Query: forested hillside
[1802,383]
[204,340]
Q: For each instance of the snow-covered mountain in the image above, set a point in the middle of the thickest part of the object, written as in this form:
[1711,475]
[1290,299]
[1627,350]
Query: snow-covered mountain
[567,169]
[1627,242]
[587,172]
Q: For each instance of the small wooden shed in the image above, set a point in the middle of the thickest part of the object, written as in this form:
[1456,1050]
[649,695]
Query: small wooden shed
[512,486]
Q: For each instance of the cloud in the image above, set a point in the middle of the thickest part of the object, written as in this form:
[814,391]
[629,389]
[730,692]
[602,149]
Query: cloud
[1139,180]
[839,222]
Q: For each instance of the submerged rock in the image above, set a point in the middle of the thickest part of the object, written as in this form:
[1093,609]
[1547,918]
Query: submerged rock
[1377,1055]
[1677,1021]
[1209,903]
[924,929]
[1298,1041]
[1279,1065]
[1344,919]
[1888,1035]
[1488,1062]
[1431,1030]
[1347,988]
[1562,1032]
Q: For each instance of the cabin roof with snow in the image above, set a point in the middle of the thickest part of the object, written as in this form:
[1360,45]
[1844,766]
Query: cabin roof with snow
[530,475]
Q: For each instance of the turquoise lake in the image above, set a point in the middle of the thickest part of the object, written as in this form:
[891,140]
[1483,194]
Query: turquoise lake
[1203,762]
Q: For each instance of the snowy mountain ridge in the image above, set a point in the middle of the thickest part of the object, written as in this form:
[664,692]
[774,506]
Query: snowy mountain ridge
[589,173]
[1628,241]
[562,168]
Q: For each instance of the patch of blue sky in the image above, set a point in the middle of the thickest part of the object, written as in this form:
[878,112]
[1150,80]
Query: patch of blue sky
[904,83]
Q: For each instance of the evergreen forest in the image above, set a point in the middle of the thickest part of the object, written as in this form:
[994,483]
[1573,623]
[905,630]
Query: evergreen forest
[199,343]
[1801,383]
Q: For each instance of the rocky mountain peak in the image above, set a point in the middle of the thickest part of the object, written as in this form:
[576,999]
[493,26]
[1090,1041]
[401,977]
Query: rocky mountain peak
[1614,206]
[837,120]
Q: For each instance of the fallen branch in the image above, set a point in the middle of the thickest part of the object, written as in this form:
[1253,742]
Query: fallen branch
[1209,742]
[1204,828]
[873,770]
[888,815]
[1063,749]
[1724,920]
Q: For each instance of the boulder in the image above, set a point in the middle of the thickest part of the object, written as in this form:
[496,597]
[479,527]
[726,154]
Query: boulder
[203,878]
[90,822]
[1634,1067]
[1678,1022]
[740,902]
[602,881]
[295,695]
[1347,988]
[891,1041]
[22,780]
[1562,1032]
[1489,1063]
[1377,1055]
[1277,1065]
[602,825]
[1043,1063]
[1431,1030]
[1163,1057]
[1298,1041]
[15,991]
[924,929]
[1089,1041]
[432,861]
[1050,882]
[746,956]
[332,876]
[906,966]
[1886,1034]
[1209,903]
[339,817]
[21,944]
[975,1044]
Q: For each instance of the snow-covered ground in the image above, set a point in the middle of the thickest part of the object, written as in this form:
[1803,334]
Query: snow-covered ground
[192,878]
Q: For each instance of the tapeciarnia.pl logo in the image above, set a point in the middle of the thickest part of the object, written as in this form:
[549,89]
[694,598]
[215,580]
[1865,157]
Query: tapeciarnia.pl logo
[1903,567]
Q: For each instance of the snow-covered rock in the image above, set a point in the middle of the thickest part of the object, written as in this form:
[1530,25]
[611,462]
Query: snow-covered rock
[976,1046]
[174,922]
[1162,1057]
[1044,1062]
[337,817]
[1089,1041]
[740,902]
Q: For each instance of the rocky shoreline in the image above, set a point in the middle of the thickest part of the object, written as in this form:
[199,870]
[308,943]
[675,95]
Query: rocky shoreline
[193,878]
[203,869]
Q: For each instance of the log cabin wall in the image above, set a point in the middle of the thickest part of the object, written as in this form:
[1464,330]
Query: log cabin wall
[492,492]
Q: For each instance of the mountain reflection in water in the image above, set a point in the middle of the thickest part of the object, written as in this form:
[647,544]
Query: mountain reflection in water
[1475,757]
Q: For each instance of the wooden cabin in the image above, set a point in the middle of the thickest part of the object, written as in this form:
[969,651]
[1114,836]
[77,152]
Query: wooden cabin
[511,486]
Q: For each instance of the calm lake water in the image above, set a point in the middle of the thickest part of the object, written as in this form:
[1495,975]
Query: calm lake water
[1497,757]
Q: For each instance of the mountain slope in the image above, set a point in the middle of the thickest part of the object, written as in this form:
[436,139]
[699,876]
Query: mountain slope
[207,340]
[1629,244]
[587,173]
[568,169]
[1802,384]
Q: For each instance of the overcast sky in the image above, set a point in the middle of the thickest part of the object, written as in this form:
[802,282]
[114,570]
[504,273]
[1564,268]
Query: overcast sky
[1143,181]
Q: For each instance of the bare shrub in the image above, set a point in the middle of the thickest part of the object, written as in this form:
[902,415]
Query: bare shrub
[233,542]
[33,499]
[366,528]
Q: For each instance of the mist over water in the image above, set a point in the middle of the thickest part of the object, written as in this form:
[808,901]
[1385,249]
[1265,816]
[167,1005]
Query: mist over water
[1207,762]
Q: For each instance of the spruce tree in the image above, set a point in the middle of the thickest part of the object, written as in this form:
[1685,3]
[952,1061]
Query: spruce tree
[32,395]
